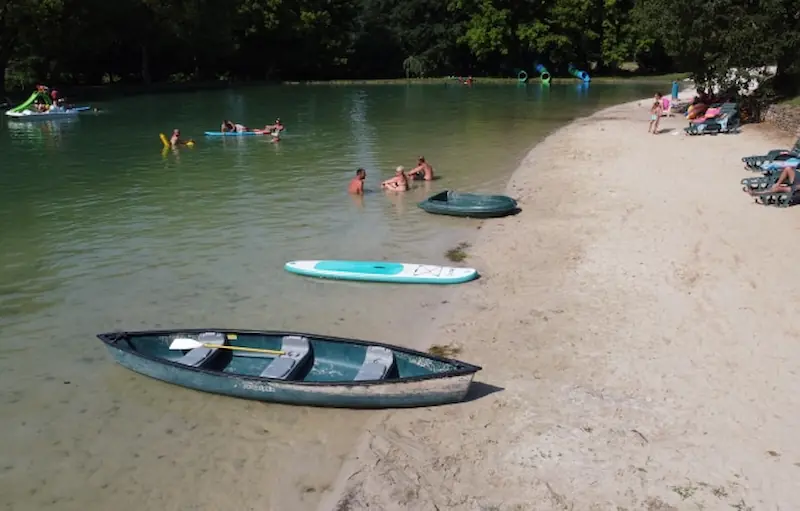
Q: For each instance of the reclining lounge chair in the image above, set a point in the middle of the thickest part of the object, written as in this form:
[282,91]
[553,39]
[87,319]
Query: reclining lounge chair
[718,119]
[783,198]
[755,162]
[772,171]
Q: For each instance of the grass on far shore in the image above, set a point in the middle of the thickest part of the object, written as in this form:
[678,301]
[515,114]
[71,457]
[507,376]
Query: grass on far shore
[16,89]
[532,79]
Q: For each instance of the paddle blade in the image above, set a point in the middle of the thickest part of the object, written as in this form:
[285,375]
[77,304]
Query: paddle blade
[182,343]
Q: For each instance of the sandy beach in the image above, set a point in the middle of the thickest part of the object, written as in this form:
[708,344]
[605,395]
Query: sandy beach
[637,319]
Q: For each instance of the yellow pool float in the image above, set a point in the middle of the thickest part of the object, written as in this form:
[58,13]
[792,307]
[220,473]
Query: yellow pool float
[165,141]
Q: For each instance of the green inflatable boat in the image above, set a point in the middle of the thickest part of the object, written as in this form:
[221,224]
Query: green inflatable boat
[472,205]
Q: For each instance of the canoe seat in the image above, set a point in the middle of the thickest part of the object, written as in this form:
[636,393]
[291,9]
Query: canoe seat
[296,351]
[199,356]
[377,363]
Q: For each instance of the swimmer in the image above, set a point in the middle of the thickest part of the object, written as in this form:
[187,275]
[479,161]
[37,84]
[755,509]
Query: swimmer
[175,139]
[356,186]
[227,126]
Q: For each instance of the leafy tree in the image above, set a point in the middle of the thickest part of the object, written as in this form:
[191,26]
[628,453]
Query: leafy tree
[719,41]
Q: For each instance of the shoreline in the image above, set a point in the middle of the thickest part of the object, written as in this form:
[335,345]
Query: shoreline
[629,351]
[110,91]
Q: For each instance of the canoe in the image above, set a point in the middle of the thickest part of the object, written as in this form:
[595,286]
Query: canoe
[382,271]
[474,205]
[313,370]
[30,115]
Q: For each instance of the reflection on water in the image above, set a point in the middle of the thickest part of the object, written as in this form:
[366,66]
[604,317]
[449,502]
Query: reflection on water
[42,134]
[102,232]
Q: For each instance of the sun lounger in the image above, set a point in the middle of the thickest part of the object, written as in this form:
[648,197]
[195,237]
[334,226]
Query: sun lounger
[755,162]
[721,119]
[780,199]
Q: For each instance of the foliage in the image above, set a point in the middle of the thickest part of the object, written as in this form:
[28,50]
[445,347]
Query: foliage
[719,41]
[143,41]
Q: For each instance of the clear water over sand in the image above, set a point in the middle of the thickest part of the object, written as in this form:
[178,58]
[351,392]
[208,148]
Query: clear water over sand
[101,231]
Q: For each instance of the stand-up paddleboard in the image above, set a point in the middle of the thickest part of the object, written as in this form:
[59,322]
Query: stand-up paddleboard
[382,271]
[234,133]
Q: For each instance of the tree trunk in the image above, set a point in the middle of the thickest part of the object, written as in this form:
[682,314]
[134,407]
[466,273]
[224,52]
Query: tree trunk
[3,65]
[146,78]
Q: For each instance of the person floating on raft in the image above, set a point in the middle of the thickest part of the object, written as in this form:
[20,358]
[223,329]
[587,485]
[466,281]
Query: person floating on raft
[269,129]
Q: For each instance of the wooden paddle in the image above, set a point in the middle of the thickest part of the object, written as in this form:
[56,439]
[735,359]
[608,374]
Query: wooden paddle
[182,343]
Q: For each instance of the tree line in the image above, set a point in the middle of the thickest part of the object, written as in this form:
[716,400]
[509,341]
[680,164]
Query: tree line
[145,41]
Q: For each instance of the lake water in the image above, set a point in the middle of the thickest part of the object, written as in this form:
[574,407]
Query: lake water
[101,231]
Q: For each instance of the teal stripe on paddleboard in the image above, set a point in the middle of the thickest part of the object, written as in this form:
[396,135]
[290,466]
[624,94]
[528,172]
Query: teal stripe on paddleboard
[362,267]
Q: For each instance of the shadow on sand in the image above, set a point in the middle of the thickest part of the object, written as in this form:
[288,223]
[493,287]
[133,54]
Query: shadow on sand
[479,389]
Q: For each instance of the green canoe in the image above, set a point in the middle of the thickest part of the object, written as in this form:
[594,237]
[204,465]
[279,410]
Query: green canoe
[293,368]
[473,205]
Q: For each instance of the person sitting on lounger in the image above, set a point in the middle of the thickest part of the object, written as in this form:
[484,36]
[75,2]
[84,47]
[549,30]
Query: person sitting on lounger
[423,170]
[788,182]
[398,183]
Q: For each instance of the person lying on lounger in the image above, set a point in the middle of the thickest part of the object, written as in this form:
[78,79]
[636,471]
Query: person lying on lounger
[790,162]
[788,182]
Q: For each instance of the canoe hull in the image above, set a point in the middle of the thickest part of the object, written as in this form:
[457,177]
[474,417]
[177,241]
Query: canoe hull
[469,205]
[389,394]
[382,271]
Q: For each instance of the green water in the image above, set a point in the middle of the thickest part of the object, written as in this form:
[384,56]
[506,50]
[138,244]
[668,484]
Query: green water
[102,231]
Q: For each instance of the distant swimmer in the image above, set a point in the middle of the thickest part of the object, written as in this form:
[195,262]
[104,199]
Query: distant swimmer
[227,126]
[175,139]
[398,183]
[423,170]
[277,126]
[356,186]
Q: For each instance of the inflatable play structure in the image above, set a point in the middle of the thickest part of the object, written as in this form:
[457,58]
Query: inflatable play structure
[580,75]
[40,94]
[544,74]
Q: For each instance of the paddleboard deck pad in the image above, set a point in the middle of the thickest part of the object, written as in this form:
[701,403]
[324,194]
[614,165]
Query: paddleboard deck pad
[382,271]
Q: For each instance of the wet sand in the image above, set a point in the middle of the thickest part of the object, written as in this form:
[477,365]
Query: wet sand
[637,317]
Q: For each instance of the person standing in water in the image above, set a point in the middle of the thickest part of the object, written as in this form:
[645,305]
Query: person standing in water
[423,169]
[356,186]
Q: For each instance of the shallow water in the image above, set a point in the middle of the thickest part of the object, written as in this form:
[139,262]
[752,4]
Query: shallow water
[102,231]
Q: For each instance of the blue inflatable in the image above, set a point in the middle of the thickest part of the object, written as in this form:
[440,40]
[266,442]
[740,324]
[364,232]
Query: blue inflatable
[580,75]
